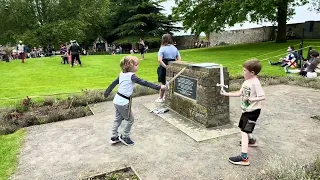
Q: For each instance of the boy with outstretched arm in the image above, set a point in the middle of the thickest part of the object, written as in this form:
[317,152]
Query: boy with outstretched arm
[251,94]
[122,100]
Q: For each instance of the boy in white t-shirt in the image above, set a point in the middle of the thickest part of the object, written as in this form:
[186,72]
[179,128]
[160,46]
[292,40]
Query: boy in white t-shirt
[251,94]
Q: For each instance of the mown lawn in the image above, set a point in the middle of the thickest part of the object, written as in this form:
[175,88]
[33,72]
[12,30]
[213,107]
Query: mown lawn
[42,76]
[9,149]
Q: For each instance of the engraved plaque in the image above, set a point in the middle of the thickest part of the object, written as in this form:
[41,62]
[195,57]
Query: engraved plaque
[186,86]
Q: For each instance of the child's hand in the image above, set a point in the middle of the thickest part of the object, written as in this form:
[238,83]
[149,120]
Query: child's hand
[223,92]
[246,99]
[163,87]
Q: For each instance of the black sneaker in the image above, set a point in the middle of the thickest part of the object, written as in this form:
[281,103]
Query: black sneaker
[126,140]
[114,139]
[252,143]
[269,62]
[239,160]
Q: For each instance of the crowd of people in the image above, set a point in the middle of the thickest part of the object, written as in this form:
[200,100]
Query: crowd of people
[22,52]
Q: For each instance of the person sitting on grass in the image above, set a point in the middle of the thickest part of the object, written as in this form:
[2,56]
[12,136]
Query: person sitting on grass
[290,60]
[310,68]
[309,61]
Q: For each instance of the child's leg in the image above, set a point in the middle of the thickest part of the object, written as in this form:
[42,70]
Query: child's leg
[127,128]
[124,112]
[117,121]
[161,78]
[244,144]
[162,92]
[246,124]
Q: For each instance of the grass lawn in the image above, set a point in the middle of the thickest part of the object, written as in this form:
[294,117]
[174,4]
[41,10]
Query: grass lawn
[9,147]
[42,76]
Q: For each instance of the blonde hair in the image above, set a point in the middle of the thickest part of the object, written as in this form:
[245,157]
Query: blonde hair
[127,63]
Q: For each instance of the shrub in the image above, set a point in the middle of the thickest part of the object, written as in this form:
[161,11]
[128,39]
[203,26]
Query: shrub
[286,169]
[24,105]
[49,101]
[55,115]
[94,96]
[77,100]
[30,119]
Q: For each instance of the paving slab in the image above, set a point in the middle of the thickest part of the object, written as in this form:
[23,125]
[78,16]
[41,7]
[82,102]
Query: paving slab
[191,128]
[80,147]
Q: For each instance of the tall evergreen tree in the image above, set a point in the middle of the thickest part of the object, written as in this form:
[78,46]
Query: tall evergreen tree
[139,19]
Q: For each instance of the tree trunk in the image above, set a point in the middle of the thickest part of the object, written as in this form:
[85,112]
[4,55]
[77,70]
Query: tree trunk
[282,14]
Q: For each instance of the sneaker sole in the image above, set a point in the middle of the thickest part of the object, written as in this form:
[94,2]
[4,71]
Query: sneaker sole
[125,142]
[240,163]
[114,142]
[253,145]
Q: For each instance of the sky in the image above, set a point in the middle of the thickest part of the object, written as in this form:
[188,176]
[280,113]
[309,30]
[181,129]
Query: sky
[302,15]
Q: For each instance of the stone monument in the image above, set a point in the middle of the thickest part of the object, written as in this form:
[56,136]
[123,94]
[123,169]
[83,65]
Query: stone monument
[195,95]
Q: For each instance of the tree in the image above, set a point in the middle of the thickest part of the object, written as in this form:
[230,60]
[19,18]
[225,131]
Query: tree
[139,19]
[52,22]
[214,15]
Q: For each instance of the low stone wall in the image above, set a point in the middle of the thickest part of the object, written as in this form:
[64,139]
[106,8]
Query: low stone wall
[242,36]
[194,94]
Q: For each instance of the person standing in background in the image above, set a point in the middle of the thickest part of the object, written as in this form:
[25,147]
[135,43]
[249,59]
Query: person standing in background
[75,51]
[167,52]
[21,48]
[141,48]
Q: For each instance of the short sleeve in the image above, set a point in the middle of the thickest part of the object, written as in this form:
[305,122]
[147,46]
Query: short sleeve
[161,52]
[259,90]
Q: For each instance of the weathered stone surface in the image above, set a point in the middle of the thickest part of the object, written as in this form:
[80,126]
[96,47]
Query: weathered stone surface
[209,108]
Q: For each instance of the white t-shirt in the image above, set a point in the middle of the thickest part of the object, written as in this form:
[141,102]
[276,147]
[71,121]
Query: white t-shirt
[20,48]
[251,88]
[125,88]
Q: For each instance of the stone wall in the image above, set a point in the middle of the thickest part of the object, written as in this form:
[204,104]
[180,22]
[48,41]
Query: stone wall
[242,36]
[208,107]
[266,33]
[185,42]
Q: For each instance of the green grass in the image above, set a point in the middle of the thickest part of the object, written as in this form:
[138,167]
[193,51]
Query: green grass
[43,76]
[9,149]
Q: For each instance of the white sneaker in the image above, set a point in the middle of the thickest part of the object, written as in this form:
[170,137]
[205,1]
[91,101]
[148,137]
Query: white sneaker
[159,100]
[286,69]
